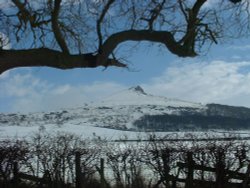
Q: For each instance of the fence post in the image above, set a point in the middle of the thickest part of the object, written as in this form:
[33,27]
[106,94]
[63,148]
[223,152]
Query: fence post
[220,169]
[246,179]
[102,173]
[203,154]
[15,174]
[174,184]
[78,170]
[190,173]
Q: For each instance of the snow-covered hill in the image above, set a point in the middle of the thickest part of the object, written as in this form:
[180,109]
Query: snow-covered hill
[118,111]
[135,110]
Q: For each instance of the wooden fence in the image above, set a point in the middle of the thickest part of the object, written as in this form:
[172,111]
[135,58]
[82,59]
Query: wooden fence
[46,181]
[188,179]
[222,175]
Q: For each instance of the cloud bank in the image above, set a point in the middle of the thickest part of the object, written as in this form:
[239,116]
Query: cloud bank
[205,82]
[27,93]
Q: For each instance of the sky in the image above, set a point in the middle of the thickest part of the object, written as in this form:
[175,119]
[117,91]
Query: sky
[222,75]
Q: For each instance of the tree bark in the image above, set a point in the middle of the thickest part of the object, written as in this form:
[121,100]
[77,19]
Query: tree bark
[10,59]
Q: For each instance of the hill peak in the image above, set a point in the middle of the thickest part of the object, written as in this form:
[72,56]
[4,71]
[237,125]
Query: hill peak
[138,89]
[137,96]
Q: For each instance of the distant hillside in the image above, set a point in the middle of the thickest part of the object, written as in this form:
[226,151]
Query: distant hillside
[134,109]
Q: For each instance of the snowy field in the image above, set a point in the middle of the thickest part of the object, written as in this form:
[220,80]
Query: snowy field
[109,134]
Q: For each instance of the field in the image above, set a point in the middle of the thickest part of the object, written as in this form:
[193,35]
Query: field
[85,156]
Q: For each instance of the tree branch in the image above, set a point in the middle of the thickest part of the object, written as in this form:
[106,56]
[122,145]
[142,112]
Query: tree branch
[10,59]
[155,12]
[192,21]
[24,15]
[56,29]
[99,21]
[163,37]
[183,9]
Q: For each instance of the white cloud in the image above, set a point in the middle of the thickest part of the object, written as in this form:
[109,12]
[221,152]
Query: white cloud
[216,81]
[31,94]
[210,3]
[62,89]
[206,82]
[18,85]
[237,47]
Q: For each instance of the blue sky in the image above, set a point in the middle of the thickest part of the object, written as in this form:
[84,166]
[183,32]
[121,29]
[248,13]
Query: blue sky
[222,75]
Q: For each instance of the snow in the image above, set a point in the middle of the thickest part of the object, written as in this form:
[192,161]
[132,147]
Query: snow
[109,118]
[118,111]
[137,96]
[80,130]
[90,132]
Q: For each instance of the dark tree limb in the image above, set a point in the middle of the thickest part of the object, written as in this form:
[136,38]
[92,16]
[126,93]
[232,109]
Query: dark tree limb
[235,1]
[51,58]
[23,15]
[193,33]
[56,28]
[99,21]
[183,9]
[41,57]
[188,39]
[163,37]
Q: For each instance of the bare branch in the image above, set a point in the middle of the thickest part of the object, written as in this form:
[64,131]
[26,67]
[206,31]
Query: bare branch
[99,21]
[25,16]
[183,9]
[235,1]
[189,38]
[155,12]
[56,28]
